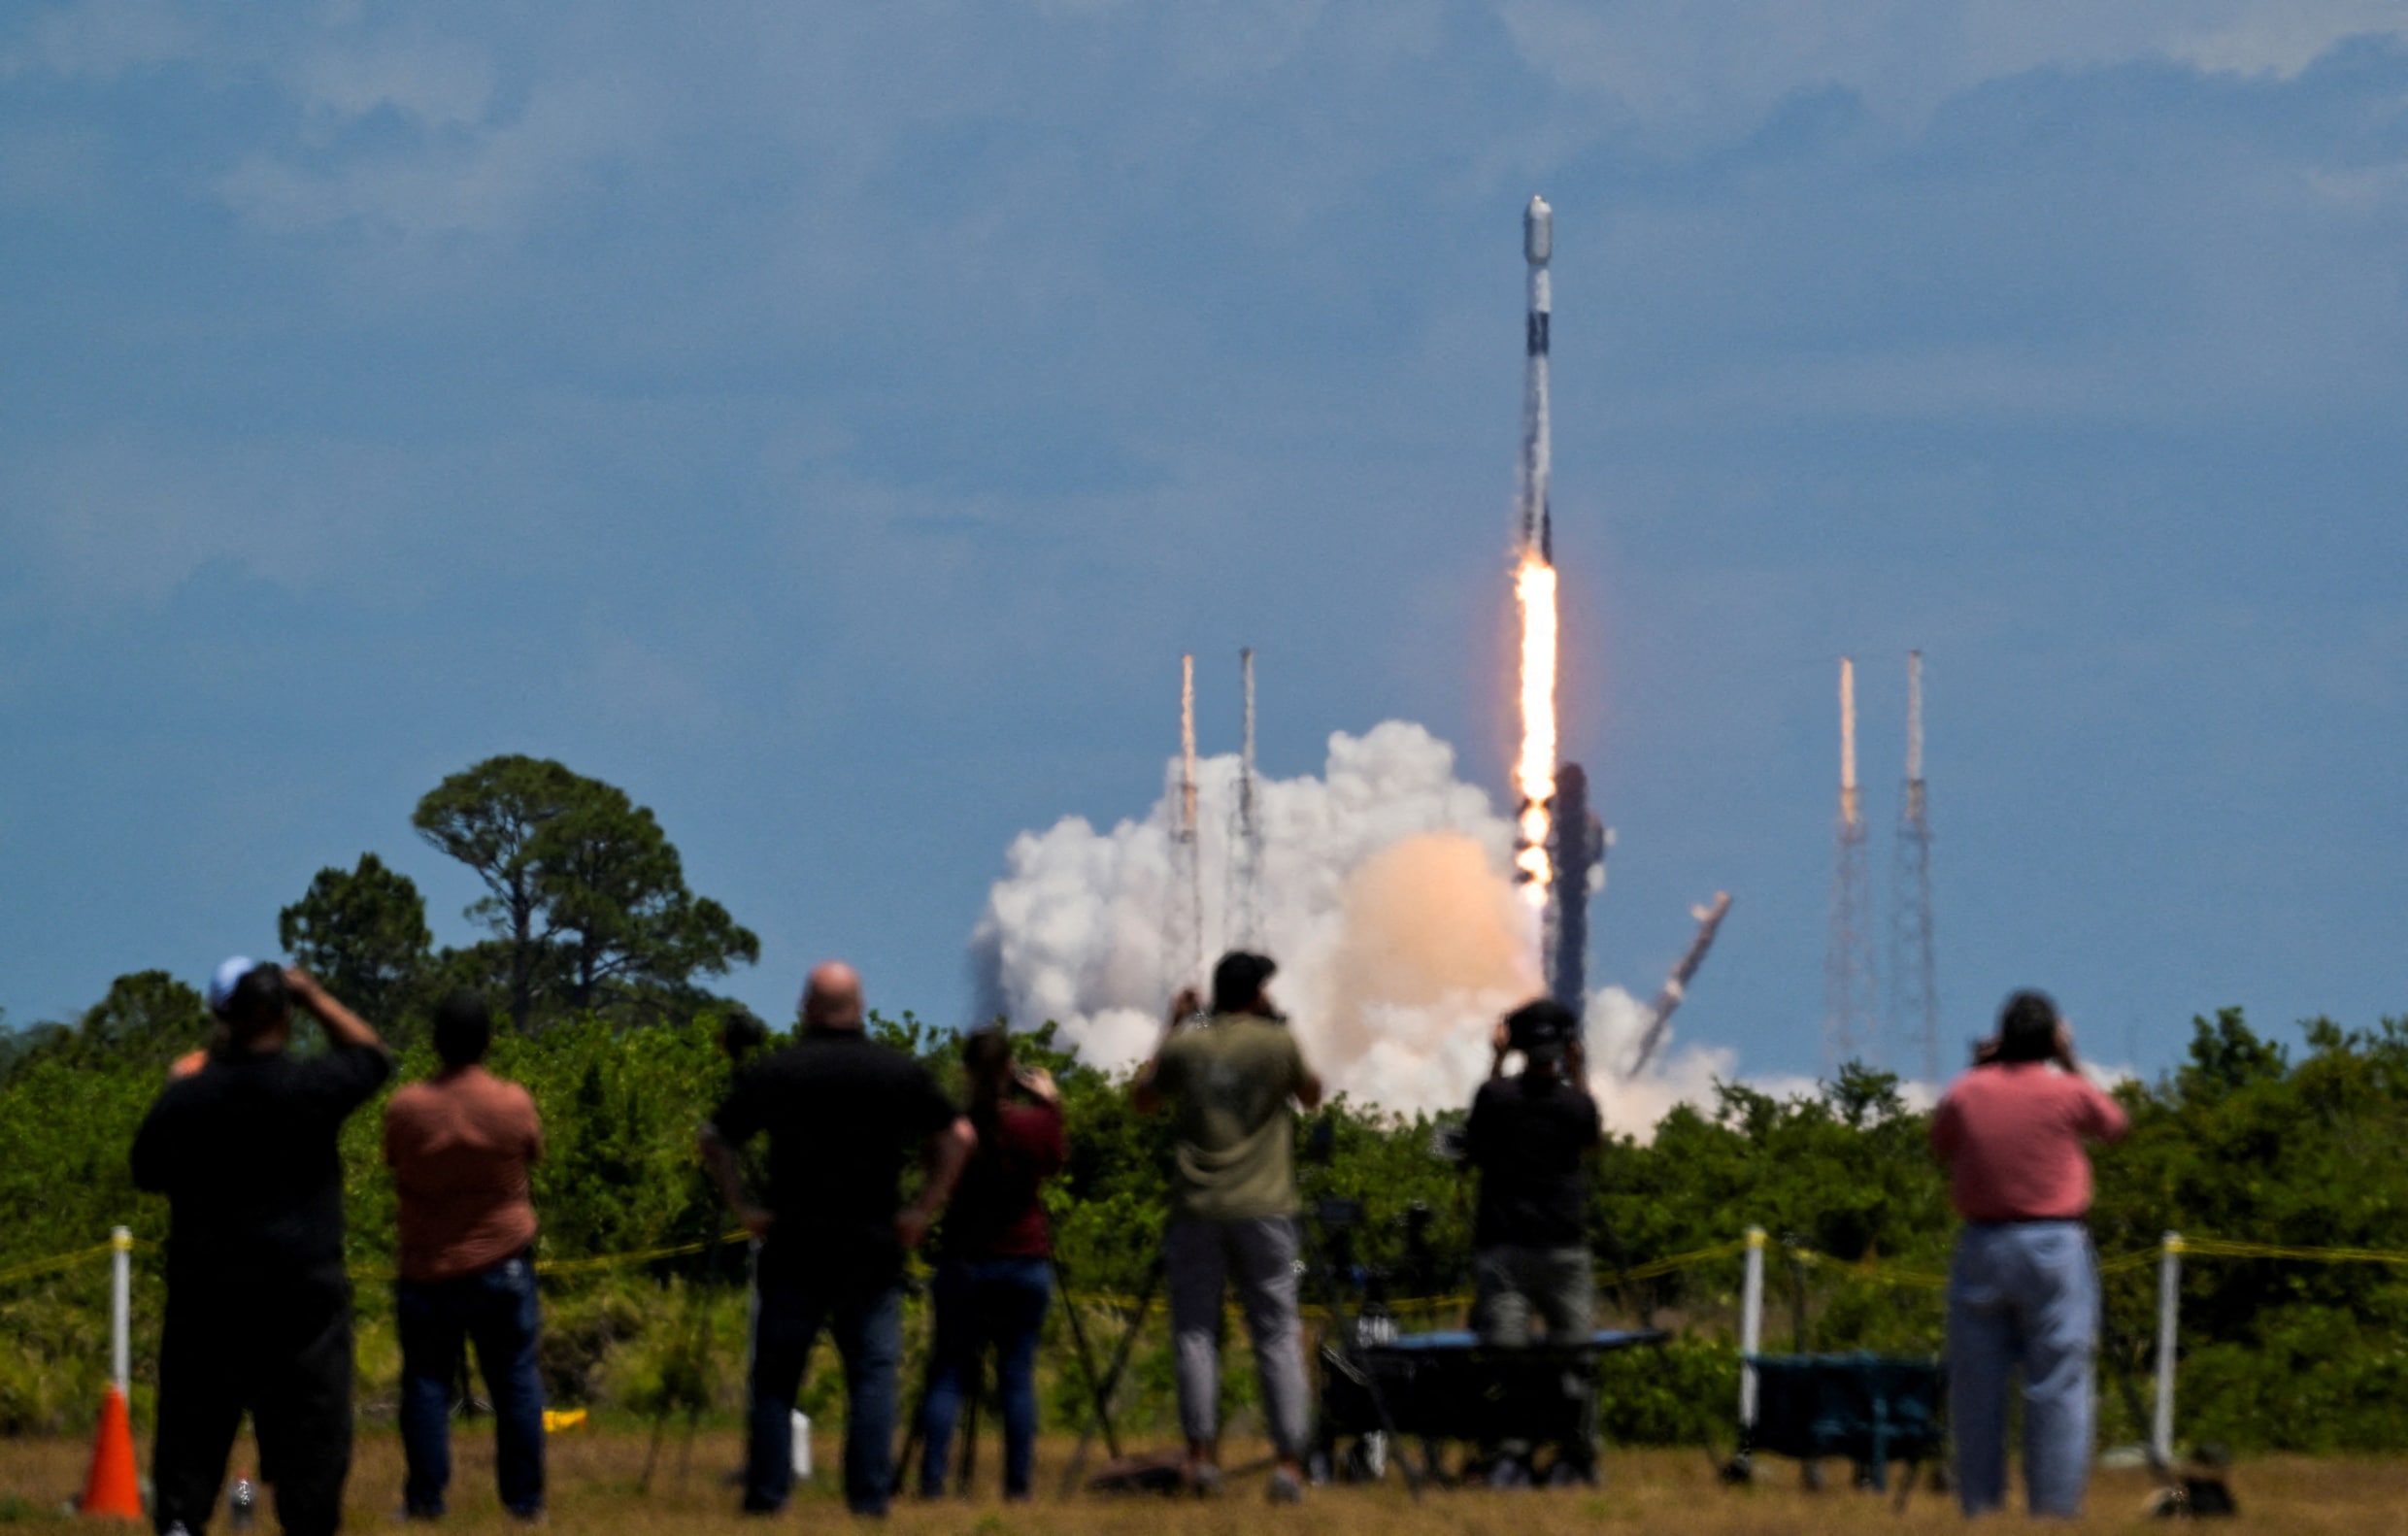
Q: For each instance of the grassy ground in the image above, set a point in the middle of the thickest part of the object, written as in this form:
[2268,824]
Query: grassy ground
[593,1480]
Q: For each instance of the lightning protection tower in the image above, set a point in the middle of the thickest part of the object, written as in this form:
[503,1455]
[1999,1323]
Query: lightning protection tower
[1183,907]
[1848,1003]
[1914,984]
[1245,896]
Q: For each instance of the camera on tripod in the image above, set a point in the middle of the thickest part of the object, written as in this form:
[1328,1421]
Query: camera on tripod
[1542,1030]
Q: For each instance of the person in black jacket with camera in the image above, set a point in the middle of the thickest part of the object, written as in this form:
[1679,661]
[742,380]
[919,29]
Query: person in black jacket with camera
[1531,1136]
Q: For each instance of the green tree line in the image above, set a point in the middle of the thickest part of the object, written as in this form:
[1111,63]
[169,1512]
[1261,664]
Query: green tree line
[593,946]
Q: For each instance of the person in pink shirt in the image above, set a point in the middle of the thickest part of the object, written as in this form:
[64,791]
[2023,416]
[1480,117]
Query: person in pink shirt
[460,1144]
[2022,1289]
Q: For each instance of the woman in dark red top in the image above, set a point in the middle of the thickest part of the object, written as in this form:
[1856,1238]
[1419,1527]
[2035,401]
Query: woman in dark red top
[993,1279]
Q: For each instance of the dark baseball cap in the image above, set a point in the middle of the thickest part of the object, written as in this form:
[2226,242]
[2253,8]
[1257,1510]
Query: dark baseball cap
[1238,980]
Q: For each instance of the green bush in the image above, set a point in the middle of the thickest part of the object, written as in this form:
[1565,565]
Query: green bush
[2242,1141]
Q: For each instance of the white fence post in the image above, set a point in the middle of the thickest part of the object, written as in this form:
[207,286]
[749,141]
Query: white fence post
[121,1308]
[1751,1327]
[2170,1310]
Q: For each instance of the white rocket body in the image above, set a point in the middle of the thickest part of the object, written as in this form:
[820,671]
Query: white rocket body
[1538,243]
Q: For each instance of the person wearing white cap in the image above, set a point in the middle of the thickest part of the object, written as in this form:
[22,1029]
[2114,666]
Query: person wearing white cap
[258,1306]
[222,983]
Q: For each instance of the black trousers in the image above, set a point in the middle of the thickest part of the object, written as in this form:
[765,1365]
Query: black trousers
[279,1350]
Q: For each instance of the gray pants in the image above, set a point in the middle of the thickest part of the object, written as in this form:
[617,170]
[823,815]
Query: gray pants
[1261,1257]
[1559,1285]
[2022,1294]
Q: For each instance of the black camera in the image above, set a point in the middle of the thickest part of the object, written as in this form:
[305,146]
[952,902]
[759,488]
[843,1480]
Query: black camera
[1543,1028]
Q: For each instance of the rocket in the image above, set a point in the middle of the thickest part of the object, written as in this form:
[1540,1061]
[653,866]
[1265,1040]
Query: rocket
[1538,241]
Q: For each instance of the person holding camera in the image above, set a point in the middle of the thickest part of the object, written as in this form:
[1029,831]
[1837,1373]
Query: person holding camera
[1228,1082]
[462,1145]
[258,1306]
[2023,1287]
[1531,1136]
[842,1113]
[995,1271]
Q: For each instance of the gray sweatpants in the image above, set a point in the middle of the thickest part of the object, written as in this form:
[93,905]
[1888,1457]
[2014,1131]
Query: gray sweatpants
[1261,1257]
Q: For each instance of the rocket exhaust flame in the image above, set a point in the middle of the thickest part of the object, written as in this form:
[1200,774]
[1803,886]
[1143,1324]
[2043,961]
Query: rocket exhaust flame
[1534,770]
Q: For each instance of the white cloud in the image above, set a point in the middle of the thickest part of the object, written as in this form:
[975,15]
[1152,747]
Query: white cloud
[485,180]
[128,517]
[131,517]
[432,83]
[1725,64]
[2284,38]
[1385,897]
[101,39]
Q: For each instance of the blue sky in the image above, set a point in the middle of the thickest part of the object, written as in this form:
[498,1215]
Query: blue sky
[831,422]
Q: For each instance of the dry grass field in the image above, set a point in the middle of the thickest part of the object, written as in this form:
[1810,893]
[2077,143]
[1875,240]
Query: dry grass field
[595,1481]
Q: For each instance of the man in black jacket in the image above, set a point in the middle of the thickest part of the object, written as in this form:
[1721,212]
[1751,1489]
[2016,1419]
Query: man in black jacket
[258,1307]
[1531,1137]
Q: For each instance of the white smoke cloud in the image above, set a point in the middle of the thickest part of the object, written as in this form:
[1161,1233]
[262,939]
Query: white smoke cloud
[1385,894]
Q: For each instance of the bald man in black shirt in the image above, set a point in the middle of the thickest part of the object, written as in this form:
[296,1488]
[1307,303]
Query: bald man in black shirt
[843,1114]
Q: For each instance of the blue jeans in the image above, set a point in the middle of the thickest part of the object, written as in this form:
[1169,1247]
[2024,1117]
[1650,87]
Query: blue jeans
[867,1324]
[496,1310]
[2026,1293]
[996,1304]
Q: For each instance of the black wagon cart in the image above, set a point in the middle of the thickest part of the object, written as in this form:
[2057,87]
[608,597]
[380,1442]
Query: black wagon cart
[1447,1387]
[1870,1408]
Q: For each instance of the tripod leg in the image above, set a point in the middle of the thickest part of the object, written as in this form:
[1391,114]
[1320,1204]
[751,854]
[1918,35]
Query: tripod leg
[697,1383]
[1348,1330]
[1087,1358]
[1112,1378]
[917,1420]
[965,1481]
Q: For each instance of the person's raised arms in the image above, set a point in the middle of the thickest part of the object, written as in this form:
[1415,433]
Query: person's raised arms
[342,1027]
[1143,1089]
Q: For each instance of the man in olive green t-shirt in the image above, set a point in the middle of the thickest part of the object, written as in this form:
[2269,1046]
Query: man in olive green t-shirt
[1228,1082]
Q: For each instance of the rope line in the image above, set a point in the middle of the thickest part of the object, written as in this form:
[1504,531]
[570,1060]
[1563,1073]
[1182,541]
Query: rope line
[43,1266]
[2219,1248]
[1867,1271]
[543,1266]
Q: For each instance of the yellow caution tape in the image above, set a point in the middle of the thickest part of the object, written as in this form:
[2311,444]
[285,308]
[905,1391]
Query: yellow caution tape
[572,1266]
[1873,1272]
[43,1266]
[2218,1248]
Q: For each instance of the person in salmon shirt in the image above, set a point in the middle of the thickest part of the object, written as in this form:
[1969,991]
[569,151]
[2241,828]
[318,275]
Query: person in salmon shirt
[2022,1289]
[460,1144]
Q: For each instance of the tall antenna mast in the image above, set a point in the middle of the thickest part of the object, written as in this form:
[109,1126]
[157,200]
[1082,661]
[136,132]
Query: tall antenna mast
[1913,977]
[1847,1004]
[1183,911]
[1245,867]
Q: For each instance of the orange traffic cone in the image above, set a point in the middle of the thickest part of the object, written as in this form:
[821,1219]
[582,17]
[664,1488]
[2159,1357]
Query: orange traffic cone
[110,1490]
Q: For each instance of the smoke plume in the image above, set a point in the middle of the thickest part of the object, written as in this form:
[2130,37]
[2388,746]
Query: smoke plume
[1384,896]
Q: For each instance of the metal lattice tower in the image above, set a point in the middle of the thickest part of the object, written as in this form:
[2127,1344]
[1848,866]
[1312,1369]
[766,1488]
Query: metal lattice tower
[1183,908]
[1914,984]
[1847,1004]
[1245,898]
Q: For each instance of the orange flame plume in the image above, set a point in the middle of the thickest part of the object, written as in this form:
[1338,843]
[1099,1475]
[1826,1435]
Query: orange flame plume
[1534,771]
